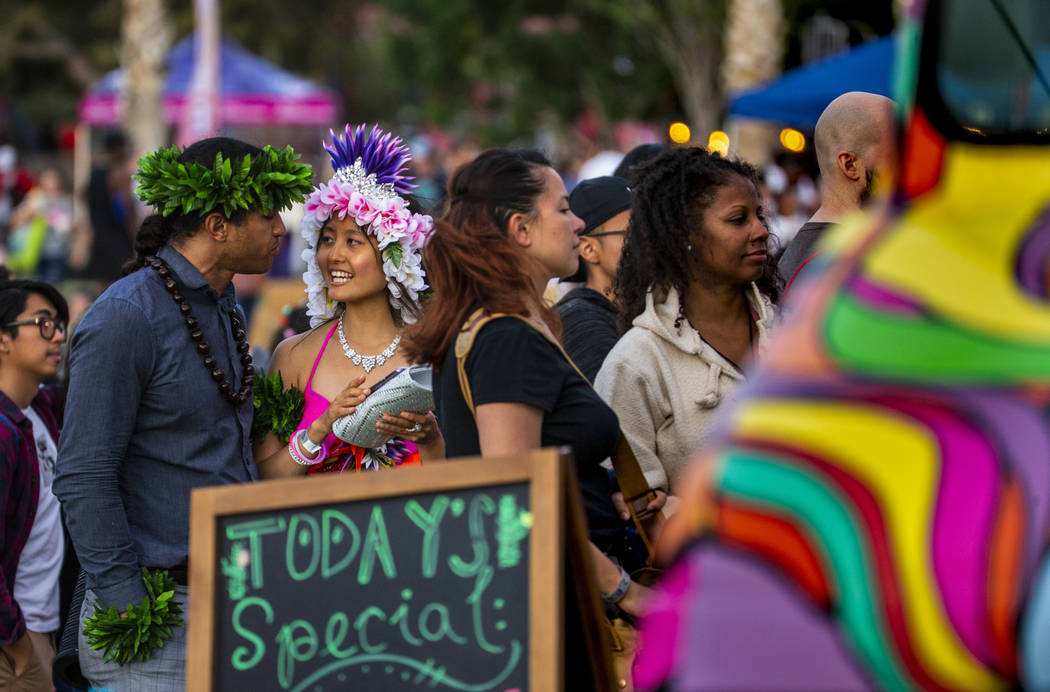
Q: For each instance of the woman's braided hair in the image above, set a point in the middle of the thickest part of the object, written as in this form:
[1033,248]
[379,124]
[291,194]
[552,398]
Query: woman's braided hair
[671,191]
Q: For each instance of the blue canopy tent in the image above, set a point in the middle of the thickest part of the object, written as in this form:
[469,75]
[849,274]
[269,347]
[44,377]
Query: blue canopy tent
[799,96]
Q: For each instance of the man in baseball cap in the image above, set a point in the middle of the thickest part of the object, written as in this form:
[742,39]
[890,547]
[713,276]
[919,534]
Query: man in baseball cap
[587,313]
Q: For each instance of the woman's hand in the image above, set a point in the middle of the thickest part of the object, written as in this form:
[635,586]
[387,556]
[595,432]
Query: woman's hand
[421,428]
[409,426]
[624,511]
[343,404]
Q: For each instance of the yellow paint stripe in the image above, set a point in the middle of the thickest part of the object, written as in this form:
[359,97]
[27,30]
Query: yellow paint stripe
[899,463]
[954,248]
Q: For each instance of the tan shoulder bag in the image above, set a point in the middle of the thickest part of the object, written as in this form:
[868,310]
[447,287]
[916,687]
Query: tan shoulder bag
[635,489]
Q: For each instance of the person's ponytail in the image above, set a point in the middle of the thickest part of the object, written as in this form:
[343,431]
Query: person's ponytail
[152,235]
[155,232]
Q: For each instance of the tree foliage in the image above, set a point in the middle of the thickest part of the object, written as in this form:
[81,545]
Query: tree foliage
[494,69]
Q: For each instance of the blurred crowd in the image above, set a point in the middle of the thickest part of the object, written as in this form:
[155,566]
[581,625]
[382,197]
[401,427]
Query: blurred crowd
[79,239]
[613,301]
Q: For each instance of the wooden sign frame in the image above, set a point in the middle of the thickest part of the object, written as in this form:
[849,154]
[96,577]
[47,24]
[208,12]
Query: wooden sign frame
[555,534]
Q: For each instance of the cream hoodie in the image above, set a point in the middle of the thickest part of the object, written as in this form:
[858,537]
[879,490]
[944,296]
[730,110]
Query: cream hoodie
[665,384]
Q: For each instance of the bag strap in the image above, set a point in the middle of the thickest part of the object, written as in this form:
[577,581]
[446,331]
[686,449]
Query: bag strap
[636,491]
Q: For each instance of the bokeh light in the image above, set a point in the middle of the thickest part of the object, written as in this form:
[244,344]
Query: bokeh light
[718,143]
[679,133]
[792,140]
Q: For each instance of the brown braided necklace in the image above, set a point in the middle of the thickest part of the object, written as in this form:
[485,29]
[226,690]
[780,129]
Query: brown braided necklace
[239,336]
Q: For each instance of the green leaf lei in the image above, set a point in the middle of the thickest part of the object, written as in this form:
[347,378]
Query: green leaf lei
[277,410]
[145,628]
[269,182]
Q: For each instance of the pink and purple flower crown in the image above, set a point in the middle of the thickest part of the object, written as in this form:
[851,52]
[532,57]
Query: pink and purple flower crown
[367,186]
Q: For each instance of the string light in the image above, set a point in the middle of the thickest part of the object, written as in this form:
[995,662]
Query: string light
[792,140]
[718,143]
[679,133]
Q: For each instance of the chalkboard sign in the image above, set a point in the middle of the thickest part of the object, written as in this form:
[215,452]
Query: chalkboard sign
[449,576]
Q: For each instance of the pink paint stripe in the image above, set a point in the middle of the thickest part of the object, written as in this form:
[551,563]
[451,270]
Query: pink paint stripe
[963,521]
[234,109]
[662,627]
[877,296]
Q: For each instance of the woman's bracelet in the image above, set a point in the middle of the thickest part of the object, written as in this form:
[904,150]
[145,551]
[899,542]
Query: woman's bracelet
[299,455]
[620,591]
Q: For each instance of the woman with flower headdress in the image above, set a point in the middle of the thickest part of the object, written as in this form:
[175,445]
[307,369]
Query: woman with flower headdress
[363,283]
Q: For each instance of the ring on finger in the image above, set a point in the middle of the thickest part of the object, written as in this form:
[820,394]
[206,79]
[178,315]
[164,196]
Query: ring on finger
[416,428]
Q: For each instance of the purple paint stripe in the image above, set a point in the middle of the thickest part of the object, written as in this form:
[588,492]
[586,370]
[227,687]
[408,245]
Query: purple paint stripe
[1033,253]
[877,296]
[1022,434]
[963,520]
[749,628]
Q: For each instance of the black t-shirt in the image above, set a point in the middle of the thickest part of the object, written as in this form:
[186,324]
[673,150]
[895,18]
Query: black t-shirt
[511,362]
[588,322]
[801,248]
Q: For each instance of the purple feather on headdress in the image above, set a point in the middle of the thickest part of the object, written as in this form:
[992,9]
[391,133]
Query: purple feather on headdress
[381,153]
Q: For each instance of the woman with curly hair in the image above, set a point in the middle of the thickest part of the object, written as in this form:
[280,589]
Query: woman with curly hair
[695,291]
[363,280]
[508,231]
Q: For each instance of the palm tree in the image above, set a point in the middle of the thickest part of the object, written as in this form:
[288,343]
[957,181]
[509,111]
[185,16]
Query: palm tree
[753,54]
[145,41]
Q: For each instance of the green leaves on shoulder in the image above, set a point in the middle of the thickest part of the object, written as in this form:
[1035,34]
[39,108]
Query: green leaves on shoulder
[277,410]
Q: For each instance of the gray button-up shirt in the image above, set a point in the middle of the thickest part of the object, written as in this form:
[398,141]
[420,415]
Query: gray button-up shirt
[145,424]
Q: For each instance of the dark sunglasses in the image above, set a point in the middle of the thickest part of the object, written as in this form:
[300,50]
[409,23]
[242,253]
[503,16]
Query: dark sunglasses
[47,326]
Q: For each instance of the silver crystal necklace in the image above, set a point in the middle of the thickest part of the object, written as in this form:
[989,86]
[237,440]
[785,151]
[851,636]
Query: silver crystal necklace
[366,362]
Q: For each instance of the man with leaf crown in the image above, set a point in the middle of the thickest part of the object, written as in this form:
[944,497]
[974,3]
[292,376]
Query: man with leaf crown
[160,398]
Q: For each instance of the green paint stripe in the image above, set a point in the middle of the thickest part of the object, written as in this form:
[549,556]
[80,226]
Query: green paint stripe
[906,66]
[761,480]
[880,343]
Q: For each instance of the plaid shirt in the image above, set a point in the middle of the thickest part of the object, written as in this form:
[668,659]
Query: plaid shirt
[19,491]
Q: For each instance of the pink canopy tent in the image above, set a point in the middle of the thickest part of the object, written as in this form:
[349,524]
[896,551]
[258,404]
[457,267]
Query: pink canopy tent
[253,92]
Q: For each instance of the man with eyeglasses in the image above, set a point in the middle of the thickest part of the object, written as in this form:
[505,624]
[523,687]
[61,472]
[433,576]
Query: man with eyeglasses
[588,316]
[33,318]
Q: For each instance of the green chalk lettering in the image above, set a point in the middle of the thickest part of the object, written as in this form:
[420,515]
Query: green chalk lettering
[400,617]
[509,532]
[428,522]
[444,628]
[292,648]
[377,544]
[361,625]
[334,634]
[475,600]
[479,505]
[331,535]
[240,658]
[254,531]
[234,570]
[307,536]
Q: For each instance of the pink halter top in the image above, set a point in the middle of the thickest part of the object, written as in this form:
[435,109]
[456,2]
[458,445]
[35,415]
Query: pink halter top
[343,456]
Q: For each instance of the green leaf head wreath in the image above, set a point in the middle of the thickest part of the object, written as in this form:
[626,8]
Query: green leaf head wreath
[269,182]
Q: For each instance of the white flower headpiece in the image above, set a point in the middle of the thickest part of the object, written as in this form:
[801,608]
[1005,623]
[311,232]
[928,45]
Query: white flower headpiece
[367,186]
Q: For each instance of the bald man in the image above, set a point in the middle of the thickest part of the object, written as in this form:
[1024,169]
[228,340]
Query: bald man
[853,138]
